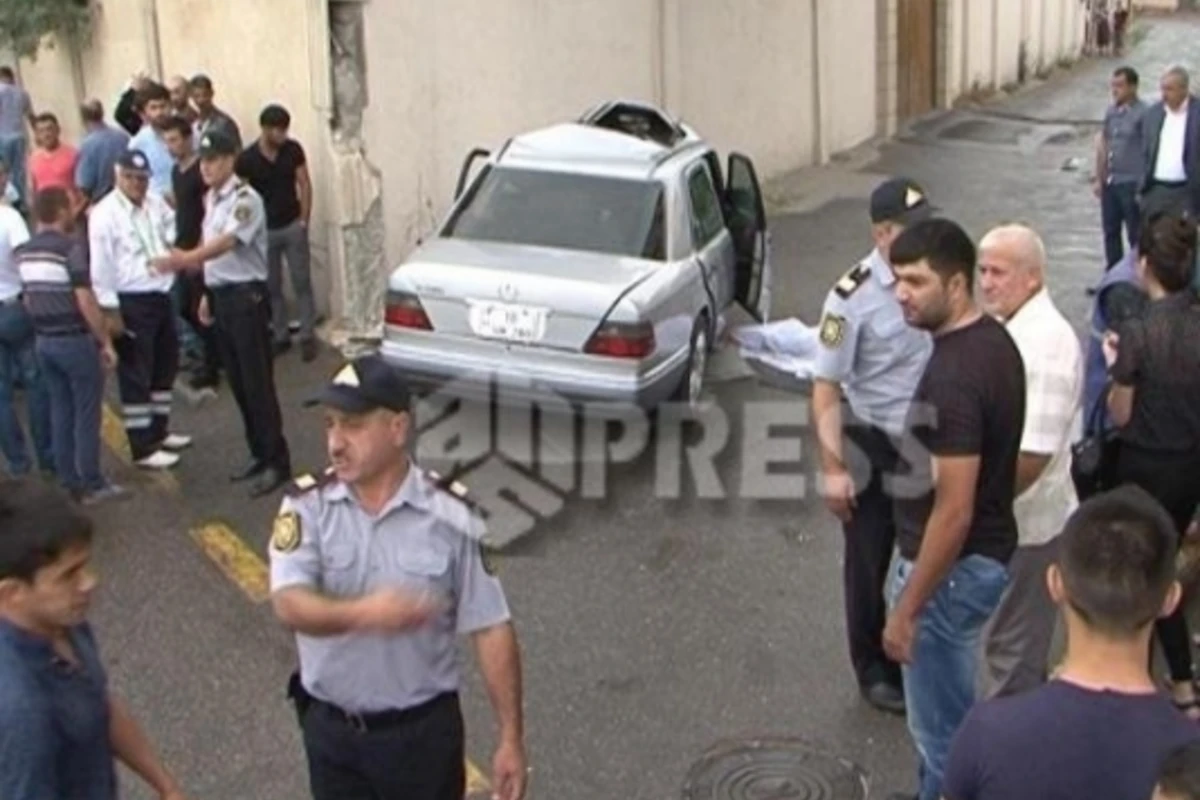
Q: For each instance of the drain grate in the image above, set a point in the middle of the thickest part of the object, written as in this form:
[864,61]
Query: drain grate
[773,769]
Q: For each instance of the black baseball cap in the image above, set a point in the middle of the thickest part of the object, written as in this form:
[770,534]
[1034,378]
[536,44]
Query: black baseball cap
[365,384]
[134,161]
[900,200]
[216,143]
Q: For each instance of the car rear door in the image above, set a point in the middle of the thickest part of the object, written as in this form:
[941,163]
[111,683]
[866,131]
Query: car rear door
[748,224]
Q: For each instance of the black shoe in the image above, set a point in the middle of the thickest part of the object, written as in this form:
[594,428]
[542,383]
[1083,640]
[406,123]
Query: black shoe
[308,350]
[270,480]
[885,697]
[251,470]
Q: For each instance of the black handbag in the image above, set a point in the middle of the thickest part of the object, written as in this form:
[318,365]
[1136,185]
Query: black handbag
[1094,458]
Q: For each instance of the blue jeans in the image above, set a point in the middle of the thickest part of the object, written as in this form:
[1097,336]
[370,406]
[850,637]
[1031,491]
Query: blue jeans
[14,149]
[75,378]
[940,683]
[1119,214]
[18,358]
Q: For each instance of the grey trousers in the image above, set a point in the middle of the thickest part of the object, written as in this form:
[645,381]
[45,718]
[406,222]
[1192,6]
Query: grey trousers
[290,244]
[1018,637]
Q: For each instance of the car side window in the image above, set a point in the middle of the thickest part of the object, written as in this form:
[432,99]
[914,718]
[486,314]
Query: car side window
[707,219]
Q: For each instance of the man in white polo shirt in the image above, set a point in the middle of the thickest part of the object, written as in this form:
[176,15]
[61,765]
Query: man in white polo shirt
[1170,131]
[1012,269]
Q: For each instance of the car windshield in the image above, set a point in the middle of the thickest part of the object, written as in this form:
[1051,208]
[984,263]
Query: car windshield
[558,209]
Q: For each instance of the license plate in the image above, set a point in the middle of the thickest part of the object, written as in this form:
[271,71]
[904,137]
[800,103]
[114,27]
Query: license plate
[510,322]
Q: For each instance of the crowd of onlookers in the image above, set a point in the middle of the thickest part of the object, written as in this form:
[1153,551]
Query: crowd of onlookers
[148,157]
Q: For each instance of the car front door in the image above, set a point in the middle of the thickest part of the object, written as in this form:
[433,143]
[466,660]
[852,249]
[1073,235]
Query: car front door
[751,240]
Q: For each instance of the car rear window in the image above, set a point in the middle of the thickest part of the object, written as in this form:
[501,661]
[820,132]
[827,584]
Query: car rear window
[567,210]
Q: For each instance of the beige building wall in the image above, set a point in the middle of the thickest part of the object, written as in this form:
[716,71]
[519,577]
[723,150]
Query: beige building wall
[848,86]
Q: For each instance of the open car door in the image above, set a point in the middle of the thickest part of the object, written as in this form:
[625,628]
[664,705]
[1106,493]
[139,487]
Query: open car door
[748,225]
[465,176]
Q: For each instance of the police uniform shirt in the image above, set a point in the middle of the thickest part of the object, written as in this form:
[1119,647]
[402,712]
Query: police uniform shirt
[122,240]
[867,347]
[237,209]
[424,539]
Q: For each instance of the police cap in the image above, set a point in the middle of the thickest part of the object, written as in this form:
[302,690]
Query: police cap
[365,384]
[900,200]
[215,144]
[133,161]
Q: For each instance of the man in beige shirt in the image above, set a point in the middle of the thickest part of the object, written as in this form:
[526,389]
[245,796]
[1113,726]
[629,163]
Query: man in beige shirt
[1012,268]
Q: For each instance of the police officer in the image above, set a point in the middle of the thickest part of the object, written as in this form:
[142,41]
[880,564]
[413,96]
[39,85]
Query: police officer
[377,566]
[127,229]
[234,259]
[867,368]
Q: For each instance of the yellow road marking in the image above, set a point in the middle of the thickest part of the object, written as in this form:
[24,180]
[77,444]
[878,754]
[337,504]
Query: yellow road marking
[476,781]
[235,558]
[112,431]
[243,566]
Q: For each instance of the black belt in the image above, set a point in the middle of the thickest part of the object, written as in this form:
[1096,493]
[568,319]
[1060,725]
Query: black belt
[229,289]
[1169,184]
[382,720]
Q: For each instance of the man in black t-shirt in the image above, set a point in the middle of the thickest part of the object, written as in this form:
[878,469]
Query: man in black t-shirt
[1101,728]
[954,510]
[277,168]
[187,195]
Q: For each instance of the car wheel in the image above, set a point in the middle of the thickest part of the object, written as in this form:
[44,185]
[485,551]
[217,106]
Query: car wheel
[691,386]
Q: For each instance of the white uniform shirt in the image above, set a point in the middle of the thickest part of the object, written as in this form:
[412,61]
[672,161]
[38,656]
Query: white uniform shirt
[1169,166]
[13,234]
[1053,415]
[123,239]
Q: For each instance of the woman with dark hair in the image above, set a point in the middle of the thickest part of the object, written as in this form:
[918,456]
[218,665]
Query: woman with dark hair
[1154,366]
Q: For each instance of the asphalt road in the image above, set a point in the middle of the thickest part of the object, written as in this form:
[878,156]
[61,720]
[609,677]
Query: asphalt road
[655,628]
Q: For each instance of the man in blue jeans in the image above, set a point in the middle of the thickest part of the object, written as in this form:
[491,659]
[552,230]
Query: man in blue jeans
[72,343]
[17,357]
[954,510]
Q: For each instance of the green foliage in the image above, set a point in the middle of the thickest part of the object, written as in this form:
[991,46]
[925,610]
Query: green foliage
[25,23]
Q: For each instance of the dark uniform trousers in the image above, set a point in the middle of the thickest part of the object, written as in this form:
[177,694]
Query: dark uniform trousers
[414,754]
[147,362]
[242,312]
[870,538]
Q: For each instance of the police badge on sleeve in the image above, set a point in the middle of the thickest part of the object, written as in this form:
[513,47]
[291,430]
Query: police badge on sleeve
[285,534]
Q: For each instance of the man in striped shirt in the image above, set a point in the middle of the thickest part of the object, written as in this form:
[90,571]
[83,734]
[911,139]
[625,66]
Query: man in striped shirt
[72,343]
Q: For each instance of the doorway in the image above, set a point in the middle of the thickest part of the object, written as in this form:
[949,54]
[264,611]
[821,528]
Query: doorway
[916,62]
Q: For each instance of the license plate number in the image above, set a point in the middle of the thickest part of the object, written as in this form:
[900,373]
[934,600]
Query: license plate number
[510,322]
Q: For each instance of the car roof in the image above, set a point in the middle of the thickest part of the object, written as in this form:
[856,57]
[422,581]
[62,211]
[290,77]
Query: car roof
[619,139]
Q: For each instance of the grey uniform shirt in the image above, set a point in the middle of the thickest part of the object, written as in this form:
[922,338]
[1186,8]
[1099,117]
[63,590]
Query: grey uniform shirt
[1125,154]
[425,538]
[237,209]
[868,348]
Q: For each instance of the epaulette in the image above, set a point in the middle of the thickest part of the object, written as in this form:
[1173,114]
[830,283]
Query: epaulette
[451,486]
[303,484]
[852,280]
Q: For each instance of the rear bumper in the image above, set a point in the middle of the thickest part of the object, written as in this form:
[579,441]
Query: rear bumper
[479,370]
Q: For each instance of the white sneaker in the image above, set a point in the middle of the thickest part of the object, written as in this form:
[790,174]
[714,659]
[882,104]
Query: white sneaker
[177,441]
[110,492]
[160,459]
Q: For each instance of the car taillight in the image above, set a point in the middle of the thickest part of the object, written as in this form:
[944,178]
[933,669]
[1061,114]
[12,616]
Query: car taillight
[621,340]
[405,310]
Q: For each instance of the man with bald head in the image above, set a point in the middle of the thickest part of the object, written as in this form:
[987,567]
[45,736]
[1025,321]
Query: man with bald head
[102,145]
[1170,132]
[1012,278]
[181,98]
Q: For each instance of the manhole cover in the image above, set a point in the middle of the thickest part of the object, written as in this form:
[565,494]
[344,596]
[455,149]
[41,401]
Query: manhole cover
[773,769]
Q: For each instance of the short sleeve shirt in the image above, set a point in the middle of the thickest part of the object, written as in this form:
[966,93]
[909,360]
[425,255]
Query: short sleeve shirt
[1064,742]
[866,346]
[424,539]
[52,266]
[275,180]
[1159,356]
[13,233]
[54,719]
[236,209]
[1053,362]
[188,187]
[970,402]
